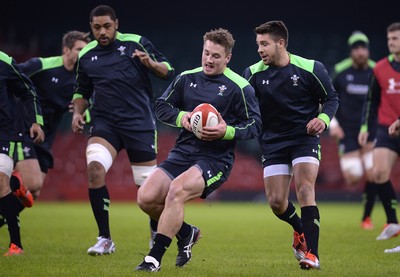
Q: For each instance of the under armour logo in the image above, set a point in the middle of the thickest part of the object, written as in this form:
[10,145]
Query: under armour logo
[392,84]
[315,151]
[54,80]
[94,58]
[193,85]
[265,82]
[5,149]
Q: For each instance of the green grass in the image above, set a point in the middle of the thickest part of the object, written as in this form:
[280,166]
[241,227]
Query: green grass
[238,239]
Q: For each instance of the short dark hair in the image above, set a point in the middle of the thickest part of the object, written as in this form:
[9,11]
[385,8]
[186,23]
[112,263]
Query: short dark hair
[101,11]
[222,37]
[71,37]
[276,29]
[393,27]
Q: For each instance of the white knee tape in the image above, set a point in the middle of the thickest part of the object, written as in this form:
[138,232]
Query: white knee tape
[352,165]
[368,160]
[6,164]
[140,173]
[96,152]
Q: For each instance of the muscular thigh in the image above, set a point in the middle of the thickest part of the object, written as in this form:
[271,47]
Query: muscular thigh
[30,173]
[305,173]
[156,186]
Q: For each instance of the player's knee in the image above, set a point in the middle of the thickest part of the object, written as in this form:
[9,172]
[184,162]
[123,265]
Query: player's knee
[99,161]
[6,164]
[147,201]
[98,153]
[277,203]
[352,169]
[34,184]
[380,175]
[140,173]
[96,173]
[305,191]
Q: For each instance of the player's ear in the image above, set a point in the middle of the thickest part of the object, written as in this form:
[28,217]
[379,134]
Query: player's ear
[116,24]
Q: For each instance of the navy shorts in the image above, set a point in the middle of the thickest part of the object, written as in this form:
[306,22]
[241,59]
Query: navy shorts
[215,173]
[17,150]
[39,152]
[383,139]
[289,153]
[350,142]
[141,146]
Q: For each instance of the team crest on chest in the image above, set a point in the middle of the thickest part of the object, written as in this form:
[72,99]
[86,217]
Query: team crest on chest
[121,49]
[295,79]
[349,77]
[221,90]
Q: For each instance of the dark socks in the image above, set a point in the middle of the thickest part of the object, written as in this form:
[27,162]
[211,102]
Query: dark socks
[311,221]
[184,231]
[153,225]
[388,198]
[369,195]
[161,244]
[290,216]
[100,202]
[9,210]
[14,183]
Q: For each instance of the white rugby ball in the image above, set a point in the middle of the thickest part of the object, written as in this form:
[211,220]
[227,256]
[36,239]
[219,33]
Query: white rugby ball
[203,115]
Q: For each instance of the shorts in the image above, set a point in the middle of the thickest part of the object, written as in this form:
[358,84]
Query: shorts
[17,150]
[383,139]
[288,154]
[141,146]
[350,142]
[214,173]
[37,152]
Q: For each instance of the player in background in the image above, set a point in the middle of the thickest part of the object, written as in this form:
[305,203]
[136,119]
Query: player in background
[114,71]
[195,168]
[394,131]
[351,78]
[53,78]
[13,83]
[383,102]
[290,90]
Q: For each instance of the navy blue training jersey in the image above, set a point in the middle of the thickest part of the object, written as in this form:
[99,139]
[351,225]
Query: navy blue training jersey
[352,86]
[290,97]
[13,83]
[229,93]
[55,88]
[120,84]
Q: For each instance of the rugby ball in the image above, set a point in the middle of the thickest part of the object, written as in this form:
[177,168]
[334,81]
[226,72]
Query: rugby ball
[203,115]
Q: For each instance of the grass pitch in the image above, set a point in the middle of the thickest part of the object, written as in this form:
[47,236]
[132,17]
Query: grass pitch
[238,239]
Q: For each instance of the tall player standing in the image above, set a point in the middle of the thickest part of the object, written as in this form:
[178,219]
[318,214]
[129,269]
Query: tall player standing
[114,70]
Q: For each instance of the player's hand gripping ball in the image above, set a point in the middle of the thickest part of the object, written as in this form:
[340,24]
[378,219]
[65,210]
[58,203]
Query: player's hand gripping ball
[203,115]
